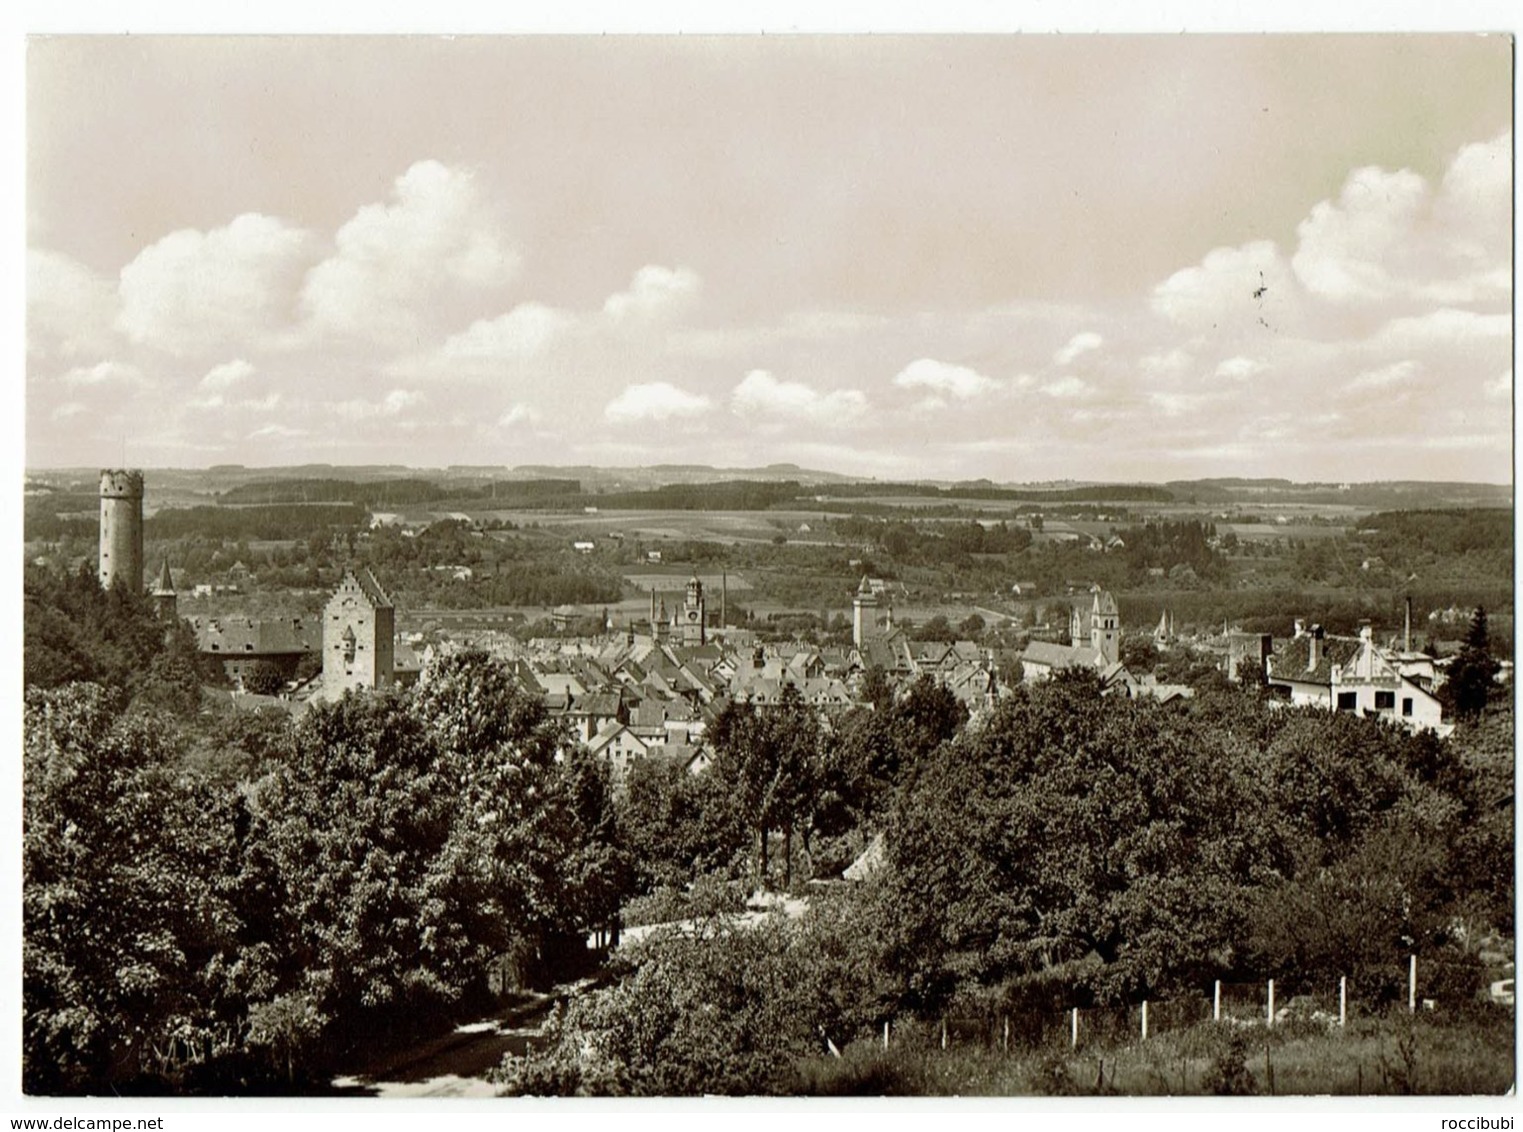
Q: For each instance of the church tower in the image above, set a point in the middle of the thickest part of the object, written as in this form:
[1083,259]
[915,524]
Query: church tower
[121,529]
[164,598]
[864,613]
[1105,628]
[692,628]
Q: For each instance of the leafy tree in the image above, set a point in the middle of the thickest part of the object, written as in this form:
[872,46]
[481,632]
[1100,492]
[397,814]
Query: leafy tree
[125,925]
[1472,672]
[533,856]
[926,716]
[936,629]
[286,1027]
[74,630]
[1361,914]
[724,1009]
[1068,825]
[769,757]
[876,690]
[677,826]
[1139,654]
[345,840]
[263,679]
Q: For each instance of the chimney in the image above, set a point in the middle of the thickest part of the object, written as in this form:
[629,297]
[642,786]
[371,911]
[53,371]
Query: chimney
[1406,637]
[1314,648]
[1366,631]
[1300,628]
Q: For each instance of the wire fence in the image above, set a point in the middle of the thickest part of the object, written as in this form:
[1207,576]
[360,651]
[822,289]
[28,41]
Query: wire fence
[1273,1002]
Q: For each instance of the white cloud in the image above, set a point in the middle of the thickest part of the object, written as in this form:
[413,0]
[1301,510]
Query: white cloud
[1240,368]
[1172,364]
[400,400]
[1232,289]
[276,432]
[1397,373]
[397,265]
[654,401]
[816,329]
[1499,388]
[70,409]
[227,374]
[1175,404]
[526,331]
[215,401]
[193,291]
[1077,346]
[944,380]
[1389,236]
[516,414]
[1445,327]
[1474,204]
[105,374]
[1463,441]
[762,394]
[1068,387]
[1349,249]
[654,293]
[70,310]
[395,403]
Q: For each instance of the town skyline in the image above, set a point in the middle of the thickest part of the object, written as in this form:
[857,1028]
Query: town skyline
[1023,259]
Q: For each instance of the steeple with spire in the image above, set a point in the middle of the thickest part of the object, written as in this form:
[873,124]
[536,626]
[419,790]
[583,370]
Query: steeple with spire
[164,598]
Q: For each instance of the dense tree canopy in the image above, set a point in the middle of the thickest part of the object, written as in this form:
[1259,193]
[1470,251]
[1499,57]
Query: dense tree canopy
[353,880]
[75,631]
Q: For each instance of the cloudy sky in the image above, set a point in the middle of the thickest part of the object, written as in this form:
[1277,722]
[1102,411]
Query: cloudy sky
[1022,258]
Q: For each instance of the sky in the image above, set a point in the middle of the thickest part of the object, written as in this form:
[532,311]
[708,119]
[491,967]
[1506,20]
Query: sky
[1021,258]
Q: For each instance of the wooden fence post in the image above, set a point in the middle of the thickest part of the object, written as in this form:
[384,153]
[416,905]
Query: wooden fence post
[1342,999]
[943,1033]
[1216,1003]
[1271,1003]
[1074,1035]
[1005,1039]
[1144,1019]
[1412,987]
[885,1036]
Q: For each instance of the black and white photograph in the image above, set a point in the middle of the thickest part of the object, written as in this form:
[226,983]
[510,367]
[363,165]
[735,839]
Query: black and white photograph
[767,565]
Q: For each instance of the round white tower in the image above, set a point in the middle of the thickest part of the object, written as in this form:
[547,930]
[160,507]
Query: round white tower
[121,529]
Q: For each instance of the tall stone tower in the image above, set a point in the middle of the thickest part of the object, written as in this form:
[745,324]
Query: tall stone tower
[359,636]
[121,529]
[864,613]
[1105,627]
[693,629]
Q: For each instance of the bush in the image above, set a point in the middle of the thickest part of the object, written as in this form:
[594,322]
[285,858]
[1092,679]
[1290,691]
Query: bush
[1228,1074]
[709,895]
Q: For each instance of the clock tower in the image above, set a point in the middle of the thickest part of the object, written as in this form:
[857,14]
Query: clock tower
[692,628]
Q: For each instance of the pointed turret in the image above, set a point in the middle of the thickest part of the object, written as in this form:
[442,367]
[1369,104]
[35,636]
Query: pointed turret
[164,597]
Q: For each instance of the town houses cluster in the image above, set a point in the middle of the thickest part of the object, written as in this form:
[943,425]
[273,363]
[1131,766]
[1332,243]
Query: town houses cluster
[653,687]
